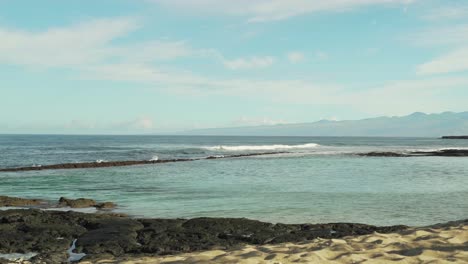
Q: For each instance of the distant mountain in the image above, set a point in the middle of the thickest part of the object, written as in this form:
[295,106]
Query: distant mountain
[415,125]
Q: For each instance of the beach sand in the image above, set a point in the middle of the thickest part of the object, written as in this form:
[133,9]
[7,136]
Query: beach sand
[444,244]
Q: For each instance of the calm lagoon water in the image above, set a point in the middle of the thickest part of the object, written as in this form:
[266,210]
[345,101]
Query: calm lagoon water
[319,181]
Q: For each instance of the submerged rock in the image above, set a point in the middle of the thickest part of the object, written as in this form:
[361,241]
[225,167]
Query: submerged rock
[436,153]
[383,154]
[76,203]
[455,137]
[105,205]
[445,153]
[104,164]
[6,201]
[85,203]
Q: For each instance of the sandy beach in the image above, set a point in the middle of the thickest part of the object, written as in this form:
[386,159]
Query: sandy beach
[444,244]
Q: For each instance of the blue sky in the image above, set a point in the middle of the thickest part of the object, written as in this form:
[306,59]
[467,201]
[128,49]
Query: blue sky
[157,66]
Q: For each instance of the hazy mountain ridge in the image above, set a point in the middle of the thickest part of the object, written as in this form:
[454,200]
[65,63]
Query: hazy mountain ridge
[414,125]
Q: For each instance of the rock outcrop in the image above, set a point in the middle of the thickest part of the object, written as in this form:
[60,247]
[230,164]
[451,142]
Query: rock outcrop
[105,164]
[50,233]
[6,201]
[437,153]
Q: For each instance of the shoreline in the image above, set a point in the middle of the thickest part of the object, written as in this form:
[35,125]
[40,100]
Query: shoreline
[51,233]
[38,235]
[434,244]
[55,236]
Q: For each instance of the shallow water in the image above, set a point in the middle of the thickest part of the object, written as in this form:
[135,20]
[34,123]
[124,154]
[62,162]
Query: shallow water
[314,183]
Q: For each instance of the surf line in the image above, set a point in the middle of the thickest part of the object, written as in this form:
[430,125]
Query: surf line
[104,164]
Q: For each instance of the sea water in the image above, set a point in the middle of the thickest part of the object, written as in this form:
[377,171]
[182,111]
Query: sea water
[319,180]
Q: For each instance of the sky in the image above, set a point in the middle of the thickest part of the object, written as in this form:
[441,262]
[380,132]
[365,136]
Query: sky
[160,66]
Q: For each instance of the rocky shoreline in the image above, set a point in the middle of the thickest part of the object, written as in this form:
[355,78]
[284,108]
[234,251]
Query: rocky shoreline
[51,233]
[104,164]
[7,201]
[48,236]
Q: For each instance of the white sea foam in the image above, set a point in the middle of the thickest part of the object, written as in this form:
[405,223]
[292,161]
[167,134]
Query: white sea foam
[73,257]
[18,257]
[154,158]
[99,161]
[261,147]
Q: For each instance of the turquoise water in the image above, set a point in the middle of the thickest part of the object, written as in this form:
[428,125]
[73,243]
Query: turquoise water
[320,181]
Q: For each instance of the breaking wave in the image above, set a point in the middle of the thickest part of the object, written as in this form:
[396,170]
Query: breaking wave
[261,147]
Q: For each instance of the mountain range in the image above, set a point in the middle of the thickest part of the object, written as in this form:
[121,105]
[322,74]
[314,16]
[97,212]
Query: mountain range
[414,125]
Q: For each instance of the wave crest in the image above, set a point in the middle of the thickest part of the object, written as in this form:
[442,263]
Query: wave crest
[261,147]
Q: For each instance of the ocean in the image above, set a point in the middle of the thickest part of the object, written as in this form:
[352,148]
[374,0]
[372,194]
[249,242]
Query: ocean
[319,180]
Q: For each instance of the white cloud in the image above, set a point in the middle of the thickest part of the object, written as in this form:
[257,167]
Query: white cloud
[270,10]
[89,45]
[79,44]
[454,38]
[455,61]
[85,44]
[249,63]
[401,97]
[295,56]
[99,58]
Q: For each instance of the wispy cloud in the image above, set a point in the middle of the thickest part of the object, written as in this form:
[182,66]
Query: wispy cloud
[271,10]
[295,56]
[83,43]
[400,96]
[249,63]
[93,51]
[455,61]
[94,45]
[453,38]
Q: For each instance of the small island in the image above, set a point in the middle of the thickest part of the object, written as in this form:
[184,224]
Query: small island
[455,137]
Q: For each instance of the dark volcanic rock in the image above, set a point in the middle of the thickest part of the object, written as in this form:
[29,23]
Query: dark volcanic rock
[105,205]
[84,165]
[76,203]
[444,153]
[383,154]
[51,258]
[49,232]
[455,137]
[15,201]
[437,153]
[113,236]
